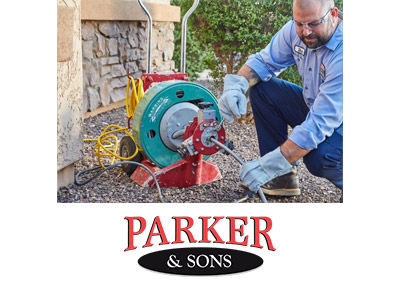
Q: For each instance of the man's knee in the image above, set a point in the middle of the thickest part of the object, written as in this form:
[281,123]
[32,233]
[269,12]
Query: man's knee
[323,163]
[264,89]
[276,92]
[259,92]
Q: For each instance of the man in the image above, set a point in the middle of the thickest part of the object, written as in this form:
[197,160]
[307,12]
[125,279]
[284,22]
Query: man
[313,40]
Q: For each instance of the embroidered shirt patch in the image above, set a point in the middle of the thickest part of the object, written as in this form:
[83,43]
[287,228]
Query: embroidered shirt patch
[299,50]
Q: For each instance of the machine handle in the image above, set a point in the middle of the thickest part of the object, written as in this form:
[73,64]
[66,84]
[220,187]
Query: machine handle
[149,34]
[205,105]
[183,34]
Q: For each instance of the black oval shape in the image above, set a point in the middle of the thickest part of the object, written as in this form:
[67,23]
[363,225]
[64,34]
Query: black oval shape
[200,261]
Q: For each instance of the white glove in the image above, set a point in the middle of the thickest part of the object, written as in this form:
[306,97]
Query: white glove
[233,101]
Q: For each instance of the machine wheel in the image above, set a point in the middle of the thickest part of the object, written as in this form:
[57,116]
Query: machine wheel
[127,147]
[163,111]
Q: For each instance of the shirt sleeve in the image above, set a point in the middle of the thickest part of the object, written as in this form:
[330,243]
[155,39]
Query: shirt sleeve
[273,59]
[326,114]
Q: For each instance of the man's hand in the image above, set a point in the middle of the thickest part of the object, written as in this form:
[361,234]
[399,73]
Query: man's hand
[257,172]
[233,101]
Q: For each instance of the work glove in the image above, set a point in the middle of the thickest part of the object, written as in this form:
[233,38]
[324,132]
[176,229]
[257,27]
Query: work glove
[257,172]
[233,101]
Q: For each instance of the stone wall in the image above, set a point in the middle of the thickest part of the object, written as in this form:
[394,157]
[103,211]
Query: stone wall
[110,47]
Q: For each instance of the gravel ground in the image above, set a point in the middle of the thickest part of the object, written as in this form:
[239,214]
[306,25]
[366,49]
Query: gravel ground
[115,186]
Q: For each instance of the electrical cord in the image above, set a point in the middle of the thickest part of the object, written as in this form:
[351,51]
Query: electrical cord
[111,148]
[106,148]
[137,93]
[108,167]
[107,143]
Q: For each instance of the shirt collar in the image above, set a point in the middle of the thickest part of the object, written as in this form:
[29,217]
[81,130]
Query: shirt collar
[336,38]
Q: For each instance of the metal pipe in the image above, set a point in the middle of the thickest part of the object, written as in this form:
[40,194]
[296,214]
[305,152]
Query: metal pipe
[149,35]
[183,34]
[241,200]
[259,191]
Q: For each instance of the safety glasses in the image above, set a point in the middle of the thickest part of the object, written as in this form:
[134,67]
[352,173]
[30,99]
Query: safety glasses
[314,24]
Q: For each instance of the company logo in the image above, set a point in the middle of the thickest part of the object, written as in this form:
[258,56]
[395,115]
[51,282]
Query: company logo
[236,227]
[299,50]
[200,261]
[242,231]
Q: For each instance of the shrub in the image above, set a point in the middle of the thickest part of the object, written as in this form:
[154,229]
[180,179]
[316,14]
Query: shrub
[196,54]
[222,34]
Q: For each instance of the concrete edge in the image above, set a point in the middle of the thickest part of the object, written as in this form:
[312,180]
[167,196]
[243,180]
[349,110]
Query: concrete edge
[106,108]
[119,10]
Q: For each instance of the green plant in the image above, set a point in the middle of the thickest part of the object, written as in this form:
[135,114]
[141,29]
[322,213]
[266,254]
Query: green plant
[222,34]
[196,54]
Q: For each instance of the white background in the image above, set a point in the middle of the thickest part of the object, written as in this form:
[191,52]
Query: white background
[43,242]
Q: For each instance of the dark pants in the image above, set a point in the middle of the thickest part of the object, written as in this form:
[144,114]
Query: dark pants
[278,103]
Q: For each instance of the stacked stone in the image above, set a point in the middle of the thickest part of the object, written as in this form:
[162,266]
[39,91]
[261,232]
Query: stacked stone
[110,47]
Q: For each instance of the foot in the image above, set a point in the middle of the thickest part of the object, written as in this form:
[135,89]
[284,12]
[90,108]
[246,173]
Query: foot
[285,185]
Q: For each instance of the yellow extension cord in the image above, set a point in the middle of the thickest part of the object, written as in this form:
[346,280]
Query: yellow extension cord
[107,142]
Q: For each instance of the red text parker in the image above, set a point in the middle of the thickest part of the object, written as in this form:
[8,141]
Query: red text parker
[241,230]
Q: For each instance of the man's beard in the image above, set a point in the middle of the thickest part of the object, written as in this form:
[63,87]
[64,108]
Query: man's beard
[319,41]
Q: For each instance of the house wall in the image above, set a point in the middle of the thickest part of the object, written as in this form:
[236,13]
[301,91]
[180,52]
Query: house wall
[69,83]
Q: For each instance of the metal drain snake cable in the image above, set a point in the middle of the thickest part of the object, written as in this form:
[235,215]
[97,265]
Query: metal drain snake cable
[108,167]
[238,159]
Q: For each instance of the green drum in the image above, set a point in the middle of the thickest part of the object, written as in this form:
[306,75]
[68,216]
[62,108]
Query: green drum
[162,115]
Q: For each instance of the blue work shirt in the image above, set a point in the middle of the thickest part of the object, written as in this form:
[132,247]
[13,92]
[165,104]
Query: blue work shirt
[320,69]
